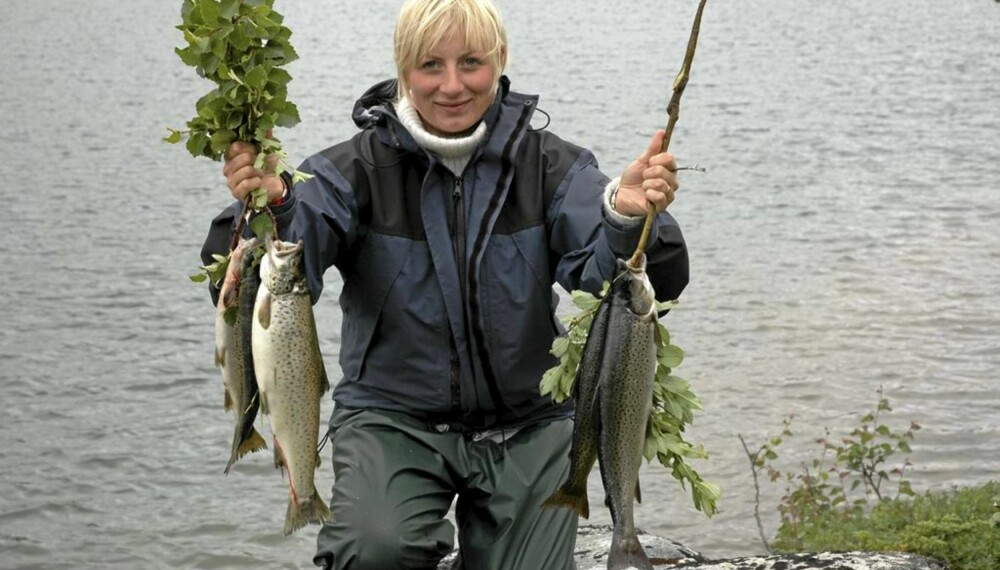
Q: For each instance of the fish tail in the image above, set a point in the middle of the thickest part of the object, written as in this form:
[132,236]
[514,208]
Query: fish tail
[299,515]
[571,498]
[627,552]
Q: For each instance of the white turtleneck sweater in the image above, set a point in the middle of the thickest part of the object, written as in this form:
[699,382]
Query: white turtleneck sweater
[454,152]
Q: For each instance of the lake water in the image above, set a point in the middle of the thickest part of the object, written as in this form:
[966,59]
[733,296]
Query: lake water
[845,236]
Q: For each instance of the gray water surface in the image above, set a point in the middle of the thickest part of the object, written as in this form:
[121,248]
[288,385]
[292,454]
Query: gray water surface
[845,236]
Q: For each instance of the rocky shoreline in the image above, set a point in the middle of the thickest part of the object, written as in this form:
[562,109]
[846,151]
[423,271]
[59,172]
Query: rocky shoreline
[593,542]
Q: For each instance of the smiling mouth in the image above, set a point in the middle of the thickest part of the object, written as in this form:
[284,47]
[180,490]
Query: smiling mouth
[453,106]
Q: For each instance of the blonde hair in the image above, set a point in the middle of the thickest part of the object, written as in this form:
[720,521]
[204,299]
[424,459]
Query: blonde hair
[423,24]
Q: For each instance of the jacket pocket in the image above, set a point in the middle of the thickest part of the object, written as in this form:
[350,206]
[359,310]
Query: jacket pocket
[519,317]
[376,269]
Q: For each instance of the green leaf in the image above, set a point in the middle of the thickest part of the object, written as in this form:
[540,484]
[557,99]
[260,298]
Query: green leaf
[256,78]
[228,8]
[585,300]
[197,44]
[221,140]
[188,56]
[260,224]
[559,346]
[198,277]
[288,117]
[239,38]
[174,137]
[664,334]
[665,305]
[299,176]
[278,78]
[209,12]
[198,144]
[670,356]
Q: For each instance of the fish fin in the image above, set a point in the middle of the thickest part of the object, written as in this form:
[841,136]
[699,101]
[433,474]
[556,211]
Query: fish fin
[279,455]
[253,442]
[299,515]
[220,358]
[264,311]
[572,499]
[638,491]
[627,553]
[263,403]
[324,381]
[227,400]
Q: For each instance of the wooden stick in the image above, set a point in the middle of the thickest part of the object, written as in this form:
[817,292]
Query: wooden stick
[673,112]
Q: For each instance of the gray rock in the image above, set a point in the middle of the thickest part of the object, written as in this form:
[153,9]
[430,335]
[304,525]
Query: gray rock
[826,561]
[593,542]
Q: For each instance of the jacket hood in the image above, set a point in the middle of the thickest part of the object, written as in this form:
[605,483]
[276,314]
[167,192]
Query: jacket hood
[370,109]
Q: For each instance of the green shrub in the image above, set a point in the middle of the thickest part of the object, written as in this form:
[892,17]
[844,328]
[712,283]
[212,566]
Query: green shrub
[844,500]
[954,526]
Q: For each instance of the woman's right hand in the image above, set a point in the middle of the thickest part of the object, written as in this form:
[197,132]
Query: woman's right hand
[242,178]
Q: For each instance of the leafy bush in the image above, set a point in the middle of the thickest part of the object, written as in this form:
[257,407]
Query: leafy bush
[954,526]
[843,500]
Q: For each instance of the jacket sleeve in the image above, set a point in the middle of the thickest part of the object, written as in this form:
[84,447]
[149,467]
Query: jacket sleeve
[321,212]
[587,242]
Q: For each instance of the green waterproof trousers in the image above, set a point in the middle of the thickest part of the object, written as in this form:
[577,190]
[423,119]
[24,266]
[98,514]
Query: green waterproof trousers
[396,478]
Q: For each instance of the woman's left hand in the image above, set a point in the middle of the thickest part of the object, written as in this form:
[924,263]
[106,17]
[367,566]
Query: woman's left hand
[650,179]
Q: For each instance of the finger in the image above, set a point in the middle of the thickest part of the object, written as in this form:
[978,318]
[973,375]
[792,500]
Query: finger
[248,172]
[660,200]
[660,173]
[664,159]
[246,186]
[655,146]
[239,147]
[237,163]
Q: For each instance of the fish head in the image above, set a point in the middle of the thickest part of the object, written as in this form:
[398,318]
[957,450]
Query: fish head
[284,266]
[632,286]
[234,272]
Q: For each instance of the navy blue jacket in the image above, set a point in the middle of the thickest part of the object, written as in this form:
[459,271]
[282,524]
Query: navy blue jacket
[448,306]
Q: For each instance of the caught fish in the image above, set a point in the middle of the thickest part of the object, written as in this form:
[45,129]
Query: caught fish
[617,370]
[290,376]
[624,398]
[232,348]
[583,453]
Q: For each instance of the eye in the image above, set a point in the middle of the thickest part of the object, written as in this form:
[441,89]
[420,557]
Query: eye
[471,61]
[429,65]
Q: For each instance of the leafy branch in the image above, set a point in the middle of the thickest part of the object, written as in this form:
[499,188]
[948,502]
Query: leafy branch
[241,46]
[673,407]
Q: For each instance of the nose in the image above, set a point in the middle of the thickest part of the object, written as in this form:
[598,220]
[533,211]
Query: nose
[452,82]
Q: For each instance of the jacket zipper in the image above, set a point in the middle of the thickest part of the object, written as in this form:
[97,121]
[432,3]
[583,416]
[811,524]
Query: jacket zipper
[458,203]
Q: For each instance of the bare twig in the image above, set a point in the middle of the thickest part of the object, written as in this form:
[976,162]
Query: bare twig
[756,488]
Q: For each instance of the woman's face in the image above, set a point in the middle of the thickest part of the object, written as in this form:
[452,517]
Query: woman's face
[452,86]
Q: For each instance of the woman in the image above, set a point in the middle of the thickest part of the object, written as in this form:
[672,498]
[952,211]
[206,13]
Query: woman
[449,219]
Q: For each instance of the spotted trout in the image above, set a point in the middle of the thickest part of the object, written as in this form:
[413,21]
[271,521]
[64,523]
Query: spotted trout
[232,348]
[614,398]
[291,376]
[583,453]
